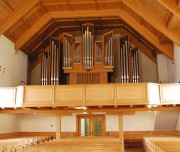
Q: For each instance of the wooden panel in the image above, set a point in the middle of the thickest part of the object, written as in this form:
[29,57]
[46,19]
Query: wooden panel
[69,95]
[7,96]
[19,96]
[170,93]
[153,93]
[131,93]
[38,95]
[100,94]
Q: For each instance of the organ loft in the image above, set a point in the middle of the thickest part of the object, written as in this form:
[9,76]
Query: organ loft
[88,60]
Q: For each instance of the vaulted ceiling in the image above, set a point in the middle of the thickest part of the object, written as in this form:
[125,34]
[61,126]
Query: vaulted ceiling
[153,23]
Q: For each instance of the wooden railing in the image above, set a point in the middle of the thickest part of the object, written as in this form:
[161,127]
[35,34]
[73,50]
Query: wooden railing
[90,95]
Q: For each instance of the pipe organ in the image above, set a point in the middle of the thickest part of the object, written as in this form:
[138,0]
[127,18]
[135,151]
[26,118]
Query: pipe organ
[88,43]
[44,68]
[67,50]
[50,64]
[129,62]
[134,58]
[88,61]
[108,50]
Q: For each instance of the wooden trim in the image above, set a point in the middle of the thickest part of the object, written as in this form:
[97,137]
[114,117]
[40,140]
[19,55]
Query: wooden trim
[58,127]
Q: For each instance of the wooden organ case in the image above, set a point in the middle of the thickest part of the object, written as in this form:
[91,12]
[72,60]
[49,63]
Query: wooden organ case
[129,62]
[88,61]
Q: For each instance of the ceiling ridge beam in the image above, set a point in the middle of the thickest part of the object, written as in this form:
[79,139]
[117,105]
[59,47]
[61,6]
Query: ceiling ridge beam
[170,5]
[150,18]
[35,28]
[18,13]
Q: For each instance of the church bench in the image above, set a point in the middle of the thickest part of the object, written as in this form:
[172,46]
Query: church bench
[162,144]
[15,144]
[80,145]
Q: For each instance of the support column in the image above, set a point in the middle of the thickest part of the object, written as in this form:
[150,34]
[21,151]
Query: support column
[58,127]
[121,131]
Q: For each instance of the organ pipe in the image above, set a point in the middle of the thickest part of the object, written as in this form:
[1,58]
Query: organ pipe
[88,43]
[44,68]
[108,49]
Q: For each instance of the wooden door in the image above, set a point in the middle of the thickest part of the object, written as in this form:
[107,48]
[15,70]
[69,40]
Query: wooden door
[91,125]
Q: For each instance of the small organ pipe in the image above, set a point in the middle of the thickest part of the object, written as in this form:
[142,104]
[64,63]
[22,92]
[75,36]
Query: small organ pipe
[127,62]
[111,50]
[122,72]
[137,66]
[52,61]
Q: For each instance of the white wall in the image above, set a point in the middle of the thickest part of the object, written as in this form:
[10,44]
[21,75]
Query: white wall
[36,75]
[15,64]
[13,69]
[147,69]
[141,121]
[9,123]
[68,123]
[174,68]
[162,64]
[37,123]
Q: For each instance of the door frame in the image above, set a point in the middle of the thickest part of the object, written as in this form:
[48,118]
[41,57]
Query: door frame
[91,116]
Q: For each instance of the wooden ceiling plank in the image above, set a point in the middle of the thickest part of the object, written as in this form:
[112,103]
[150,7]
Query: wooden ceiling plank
[32,31]
[56,15]
[138,8]
[171,5]
[164,48]
[18,13]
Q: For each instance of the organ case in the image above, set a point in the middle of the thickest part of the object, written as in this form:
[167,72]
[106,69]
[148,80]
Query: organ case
[90,60]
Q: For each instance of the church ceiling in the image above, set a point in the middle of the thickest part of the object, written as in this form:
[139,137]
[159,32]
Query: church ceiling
[153,23]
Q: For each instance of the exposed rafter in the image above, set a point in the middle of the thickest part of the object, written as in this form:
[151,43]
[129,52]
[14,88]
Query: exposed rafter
[171,5]
[23,8]
[164,48]
[138,8]
[32,31]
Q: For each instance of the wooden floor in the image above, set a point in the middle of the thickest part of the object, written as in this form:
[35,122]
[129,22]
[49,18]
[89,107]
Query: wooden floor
[79,144]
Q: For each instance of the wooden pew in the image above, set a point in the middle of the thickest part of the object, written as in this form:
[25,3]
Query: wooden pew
[80,144]
[162,144]
[18,144]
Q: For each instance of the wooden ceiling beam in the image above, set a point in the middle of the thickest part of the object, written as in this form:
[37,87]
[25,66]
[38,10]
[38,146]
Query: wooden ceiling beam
[152,19]
[18,13]
[66,111]
[56,15]
[164,48]
[84,14]
[24,38]
[171,5]
[167,49]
